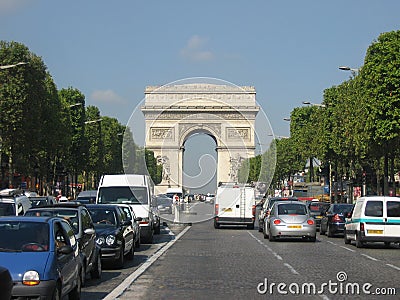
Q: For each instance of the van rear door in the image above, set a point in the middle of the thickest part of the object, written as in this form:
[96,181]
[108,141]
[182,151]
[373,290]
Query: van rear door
[392,224]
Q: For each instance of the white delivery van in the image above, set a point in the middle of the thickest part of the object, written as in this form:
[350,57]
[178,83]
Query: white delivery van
[135,190]
[13,202]
[234,205]
[373,219]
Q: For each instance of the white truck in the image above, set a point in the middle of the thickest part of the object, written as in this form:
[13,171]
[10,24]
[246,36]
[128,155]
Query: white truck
[234,205]
[135,190]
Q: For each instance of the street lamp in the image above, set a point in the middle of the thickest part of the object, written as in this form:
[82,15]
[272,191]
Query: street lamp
[75,104]
[353,71]
[93,121]
[12,66]
[313,104]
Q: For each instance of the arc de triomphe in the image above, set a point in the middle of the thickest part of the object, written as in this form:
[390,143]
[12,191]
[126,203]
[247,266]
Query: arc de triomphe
[173,113]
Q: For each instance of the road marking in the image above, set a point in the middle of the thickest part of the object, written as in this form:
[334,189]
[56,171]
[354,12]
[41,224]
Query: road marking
[344,247]
[291,269]
[370,257]
[331,243]
[393,266]
[268,248]
[119,290]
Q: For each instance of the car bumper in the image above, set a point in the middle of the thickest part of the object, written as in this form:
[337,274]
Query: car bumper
[337,228]
[44,290]
[110,253]
[234,221]
[285,231]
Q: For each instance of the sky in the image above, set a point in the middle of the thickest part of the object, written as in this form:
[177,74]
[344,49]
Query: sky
[289,50]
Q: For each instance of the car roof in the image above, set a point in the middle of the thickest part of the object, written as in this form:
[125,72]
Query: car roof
[66,205]
[29,219]
[88,193]
[289,202]
[104,206]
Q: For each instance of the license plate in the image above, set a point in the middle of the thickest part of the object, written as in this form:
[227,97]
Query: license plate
[228,209]
[318,217]
[374,231]
[294,226]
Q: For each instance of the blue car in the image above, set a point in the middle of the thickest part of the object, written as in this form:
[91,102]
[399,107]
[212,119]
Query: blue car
[42,256]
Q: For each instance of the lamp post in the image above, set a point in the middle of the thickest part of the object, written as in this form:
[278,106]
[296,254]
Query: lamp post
[354,71]
[12,66]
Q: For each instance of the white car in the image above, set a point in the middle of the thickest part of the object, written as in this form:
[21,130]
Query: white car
[210,198]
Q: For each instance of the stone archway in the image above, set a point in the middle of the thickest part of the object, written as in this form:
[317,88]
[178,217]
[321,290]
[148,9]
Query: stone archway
[173,113]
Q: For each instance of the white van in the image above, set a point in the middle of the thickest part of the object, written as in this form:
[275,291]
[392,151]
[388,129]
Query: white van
[373,219]
[135,190]
[234,205]
[171,192]
[13,203]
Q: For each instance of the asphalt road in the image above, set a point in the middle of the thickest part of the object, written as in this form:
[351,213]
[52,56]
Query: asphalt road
[236,263]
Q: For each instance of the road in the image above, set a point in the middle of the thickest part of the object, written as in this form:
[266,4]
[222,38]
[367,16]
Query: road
[236,263]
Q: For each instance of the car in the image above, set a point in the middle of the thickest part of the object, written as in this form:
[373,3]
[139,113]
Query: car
[373,219]
[87,197]
[210,198]
[81,222]
[317,210]
[288,219]
[114,233]
[42,200]
[333,220]
[42,256]
[265,209]
[135,222]
[164,204]
[13,203]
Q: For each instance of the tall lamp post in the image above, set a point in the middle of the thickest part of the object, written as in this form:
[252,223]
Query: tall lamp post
[354,71]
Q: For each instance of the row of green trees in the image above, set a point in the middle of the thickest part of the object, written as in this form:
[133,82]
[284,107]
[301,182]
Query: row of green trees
[46,133]
[355,132]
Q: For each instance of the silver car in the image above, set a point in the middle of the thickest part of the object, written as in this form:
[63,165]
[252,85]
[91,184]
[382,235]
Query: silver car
[290,219]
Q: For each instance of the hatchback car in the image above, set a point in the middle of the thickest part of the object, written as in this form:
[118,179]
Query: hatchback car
[333,220]
[114,233]
[42,200]
[317,210]
[164,204]
[42,256]
[83,227]
[289,219]
[87,197]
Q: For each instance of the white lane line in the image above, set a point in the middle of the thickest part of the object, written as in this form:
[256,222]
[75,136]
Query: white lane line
[331,243]
[291,269]
[344,247]
[370,257]
[268,248]
[119,290]
[393,266]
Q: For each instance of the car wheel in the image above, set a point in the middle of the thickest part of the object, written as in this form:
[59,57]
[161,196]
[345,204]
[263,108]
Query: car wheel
[120,261]
[346,240]
[57,292]
[265,234]
[359,243]
[83,273]
[260,227]
[131,253]
[96,268]
[216,225]
[387,244]
[75,294]
[250,226]
[157,230]
[329,232]
[312,238]
[270,237]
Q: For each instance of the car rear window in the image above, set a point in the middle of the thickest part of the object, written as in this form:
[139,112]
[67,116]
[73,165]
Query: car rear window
[393,208]
[374,209]
[292,209]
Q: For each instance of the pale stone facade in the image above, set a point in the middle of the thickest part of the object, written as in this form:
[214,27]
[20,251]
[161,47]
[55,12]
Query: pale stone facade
[174,113]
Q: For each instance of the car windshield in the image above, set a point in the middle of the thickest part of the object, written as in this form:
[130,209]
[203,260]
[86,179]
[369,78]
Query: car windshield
[103,217]
[291,209]
[17,236]
[68,214]
[123,194]
[7,209]
[165,201]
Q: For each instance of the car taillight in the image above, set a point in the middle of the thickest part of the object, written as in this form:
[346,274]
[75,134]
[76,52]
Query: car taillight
[310,222]
[277,221]
[362,227]
[216,209]
[253,210]
[336,218]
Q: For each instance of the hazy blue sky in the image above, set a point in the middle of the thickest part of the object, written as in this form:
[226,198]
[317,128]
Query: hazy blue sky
[289,50]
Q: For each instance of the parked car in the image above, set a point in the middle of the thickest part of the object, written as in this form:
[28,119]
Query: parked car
[333,220]
[42,256]
[373,219]
[164,204]
[13,203]
[135,222]
[81,222]
[87,197]
[42,200]
[114,233]
[289,219]
[317,209]
[267,207]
